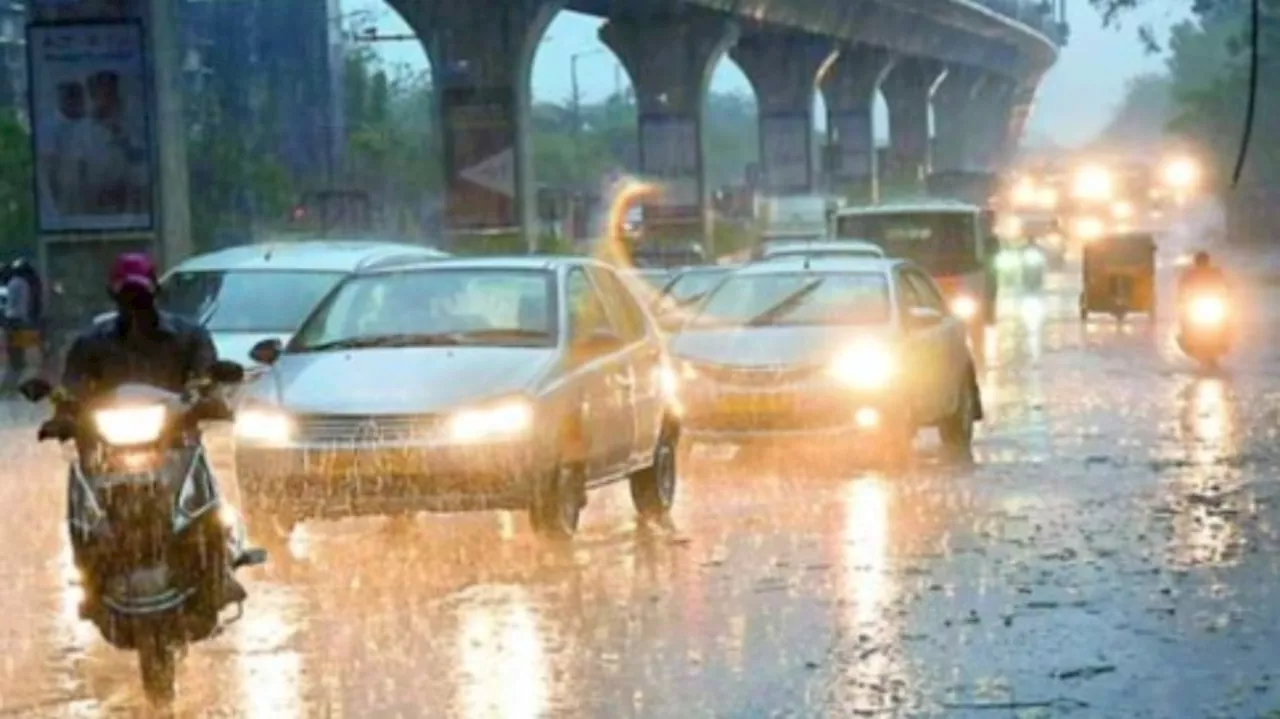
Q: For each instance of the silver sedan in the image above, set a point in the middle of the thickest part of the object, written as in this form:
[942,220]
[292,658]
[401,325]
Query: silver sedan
[453,385]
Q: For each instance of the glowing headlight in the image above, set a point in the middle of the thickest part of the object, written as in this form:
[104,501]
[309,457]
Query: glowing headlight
[964,307]
[1122,210]
[1006,261]
[501,421]
[1181,174]
[1089,228]
[263,425]
[1209,311]
[1093,183]
[865,365]
[1047,198]
[130,425]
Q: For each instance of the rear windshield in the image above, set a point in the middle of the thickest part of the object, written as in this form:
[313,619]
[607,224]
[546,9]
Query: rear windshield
[247,301]
[941,242]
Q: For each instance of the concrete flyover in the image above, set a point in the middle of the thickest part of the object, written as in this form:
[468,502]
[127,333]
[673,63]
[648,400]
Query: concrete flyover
[977,63]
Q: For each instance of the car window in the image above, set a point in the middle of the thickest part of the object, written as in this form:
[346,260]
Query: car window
[587,314]
[925,293]
[622,306]
[246,301]
[447,306]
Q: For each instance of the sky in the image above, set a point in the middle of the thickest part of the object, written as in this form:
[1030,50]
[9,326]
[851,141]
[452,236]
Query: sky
[1075,101]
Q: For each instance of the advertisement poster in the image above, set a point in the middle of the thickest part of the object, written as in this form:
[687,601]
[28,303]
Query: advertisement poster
[89,110]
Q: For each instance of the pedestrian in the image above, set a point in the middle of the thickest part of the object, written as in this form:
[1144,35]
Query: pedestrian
[22,313]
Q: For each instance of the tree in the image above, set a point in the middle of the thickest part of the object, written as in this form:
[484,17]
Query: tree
[1139,123]
[17,206]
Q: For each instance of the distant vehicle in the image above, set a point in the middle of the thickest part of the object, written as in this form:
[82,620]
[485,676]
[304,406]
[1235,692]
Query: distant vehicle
[795,218]
[953,241]
[246,294]
[831,248]
[460,385]
[659,254]
[864,350]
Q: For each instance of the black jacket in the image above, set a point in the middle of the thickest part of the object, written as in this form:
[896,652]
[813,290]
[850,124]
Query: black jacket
[166,355]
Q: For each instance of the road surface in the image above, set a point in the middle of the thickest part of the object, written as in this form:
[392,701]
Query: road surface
[1112,553]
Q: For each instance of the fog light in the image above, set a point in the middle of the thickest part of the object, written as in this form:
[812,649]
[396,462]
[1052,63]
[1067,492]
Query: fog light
[866,418]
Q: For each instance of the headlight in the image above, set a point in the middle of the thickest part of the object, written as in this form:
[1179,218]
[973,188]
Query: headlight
[1090,228]
[500,421]
[865,365]
[964,307]
[1210,311]
[263,425]
[130,425]
[1093,183]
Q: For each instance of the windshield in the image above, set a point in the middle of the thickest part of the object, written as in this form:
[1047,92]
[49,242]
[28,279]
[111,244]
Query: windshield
[801,298]
[513,308]
[693,286]
[246,301]
[940,242]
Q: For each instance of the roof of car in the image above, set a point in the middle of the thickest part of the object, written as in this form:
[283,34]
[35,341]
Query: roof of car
[895,208]
[785,265]
[498,262]
[340,255]
[824,246]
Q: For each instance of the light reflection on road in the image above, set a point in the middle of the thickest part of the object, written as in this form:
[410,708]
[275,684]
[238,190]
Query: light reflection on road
[503,669]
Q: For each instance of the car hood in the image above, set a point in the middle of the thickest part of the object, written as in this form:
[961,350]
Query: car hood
[418,380]
[768,346]
[235,346]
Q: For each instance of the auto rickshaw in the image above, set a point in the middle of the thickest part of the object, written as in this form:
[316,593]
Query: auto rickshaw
[1119,275]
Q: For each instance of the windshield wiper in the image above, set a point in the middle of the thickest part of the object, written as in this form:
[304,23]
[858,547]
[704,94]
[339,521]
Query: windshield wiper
[442,339]
[785,305]
[508,333]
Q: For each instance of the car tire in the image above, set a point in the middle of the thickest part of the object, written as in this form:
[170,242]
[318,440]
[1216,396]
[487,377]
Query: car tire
[653,489]
[957,429]
[557,501]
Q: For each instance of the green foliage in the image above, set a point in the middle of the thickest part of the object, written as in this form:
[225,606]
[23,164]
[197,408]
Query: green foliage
[17,206]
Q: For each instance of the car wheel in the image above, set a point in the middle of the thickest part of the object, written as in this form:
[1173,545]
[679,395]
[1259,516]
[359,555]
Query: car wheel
[557,503]
[653,489]
[957,429]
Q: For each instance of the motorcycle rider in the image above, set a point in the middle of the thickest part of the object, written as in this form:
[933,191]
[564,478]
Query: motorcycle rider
[140,343]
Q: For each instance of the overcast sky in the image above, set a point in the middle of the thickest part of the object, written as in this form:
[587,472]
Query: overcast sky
[1075,100]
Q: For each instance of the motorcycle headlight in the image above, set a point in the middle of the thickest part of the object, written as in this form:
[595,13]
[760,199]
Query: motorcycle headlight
[1209,311]
[260,424]
[504,420]
[865,365]
[964,307]
[124,426]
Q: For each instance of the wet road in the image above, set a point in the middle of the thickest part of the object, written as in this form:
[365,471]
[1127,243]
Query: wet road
[1111,554]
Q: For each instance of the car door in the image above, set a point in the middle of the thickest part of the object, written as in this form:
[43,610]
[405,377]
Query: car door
[944,343]
[603,371]
[646,402]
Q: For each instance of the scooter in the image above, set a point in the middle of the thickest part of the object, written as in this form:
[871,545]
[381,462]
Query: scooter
[149,537]
[1204,327]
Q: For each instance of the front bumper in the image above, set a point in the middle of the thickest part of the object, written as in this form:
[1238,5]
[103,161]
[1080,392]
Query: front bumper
[355,478]
[715,411]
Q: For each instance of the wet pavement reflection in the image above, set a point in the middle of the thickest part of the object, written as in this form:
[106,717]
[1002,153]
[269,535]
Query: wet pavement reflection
[1110,552]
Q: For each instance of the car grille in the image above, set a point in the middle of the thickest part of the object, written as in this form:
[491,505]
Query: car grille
[320,428]
[757,376]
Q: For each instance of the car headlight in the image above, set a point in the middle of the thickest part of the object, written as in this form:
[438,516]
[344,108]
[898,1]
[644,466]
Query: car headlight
[865,365]
[257,424]
[504,420]
[1208,311]
[964,307]
[125,426]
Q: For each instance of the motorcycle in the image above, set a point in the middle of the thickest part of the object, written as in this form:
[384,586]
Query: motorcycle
[1204,328]
[145,517]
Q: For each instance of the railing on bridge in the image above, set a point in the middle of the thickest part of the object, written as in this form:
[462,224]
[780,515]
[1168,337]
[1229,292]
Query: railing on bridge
[1045,16]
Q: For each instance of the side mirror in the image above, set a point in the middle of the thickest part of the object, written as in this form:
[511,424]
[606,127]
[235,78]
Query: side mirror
[924,317]
[227,372]
[267,351]
[35,389]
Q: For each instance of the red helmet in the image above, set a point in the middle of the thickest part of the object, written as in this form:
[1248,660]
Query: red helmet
[133,269]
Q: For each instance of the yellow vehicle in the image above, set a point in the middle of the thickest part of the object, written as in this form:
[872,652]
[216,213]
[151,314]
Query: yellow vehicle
[1119,275]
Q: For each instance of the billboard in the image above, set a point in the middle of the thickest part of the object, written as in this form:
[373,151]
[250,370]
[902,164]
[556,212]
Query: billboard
[89,114]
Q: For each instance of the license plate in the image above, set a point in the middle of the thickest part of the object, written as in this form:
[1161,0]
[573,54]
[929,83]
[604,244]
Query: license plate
[754,404]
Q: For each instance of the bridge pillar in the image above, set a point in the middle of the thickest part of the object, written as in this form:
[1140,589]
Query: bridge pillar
[785,71]
[481,58]
[670,60]
[849,88]
[907,90]
[956,119]
[991,128]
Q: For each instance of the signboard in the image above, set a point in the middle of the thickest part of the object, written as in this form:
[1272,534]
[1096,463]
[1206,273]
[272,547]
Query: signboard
[89,114]
[669,155]
[856,144]
[785,151]
[479,142]
[85,9]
